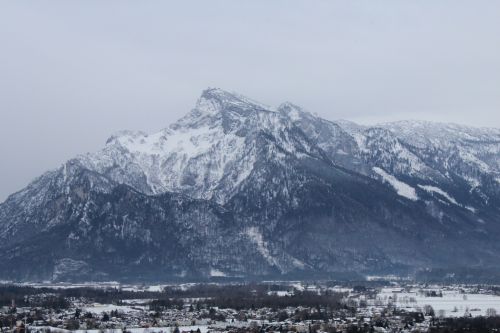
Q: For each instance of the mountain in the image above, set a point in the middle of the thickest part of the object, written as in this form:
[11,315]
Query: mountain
[238,189]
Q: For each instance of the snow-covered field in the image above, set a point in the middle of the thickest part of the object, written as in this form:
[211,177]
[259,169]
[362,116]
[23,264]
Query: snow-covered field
[453,303]
[67,285]
[100,308]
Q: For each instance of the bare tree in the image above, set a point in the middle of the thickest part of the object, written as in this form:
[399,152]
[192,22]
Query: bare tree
[429,310]
[491,312]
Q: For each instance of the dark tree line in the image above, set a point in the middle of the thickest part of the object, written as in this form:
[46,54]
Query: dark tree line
[241,301]
[56,297]
[29,296]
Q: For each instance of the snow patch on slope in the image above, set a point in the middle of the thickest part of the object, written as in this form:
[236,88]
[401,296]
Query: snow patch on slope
[434,189]
[470,158]
[255,236]
[401,188]
[217,273]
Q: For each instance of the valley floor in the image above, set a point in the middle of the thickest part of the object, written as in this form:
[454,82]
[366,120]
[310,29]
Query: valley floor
[271,307]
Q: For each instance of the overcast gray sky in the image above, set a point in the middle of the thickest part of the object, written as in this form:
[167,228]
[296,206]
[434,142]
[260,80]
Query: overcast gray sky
[73,72]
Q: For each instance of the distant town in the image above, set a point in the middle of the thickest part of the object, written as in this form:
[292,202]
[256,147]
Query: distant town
[369,306]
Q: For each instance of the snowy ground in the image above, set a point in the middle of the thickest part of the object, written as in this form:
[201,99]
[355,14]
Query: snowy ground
[203,329]
[67,285]
[100,308]
[453,303]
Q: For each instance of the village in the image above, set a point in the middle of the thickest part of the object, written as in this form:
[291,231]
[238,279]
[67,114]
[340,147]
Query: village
[271,307]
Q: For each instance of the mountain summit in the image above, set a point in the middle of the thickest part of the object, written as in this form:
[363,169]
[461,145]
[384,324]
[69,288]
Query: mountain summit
[238,189]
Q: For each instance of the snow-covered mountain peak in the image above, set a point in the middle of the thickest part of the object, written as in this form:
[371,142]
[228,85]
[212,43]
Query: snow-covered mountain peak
[208,152]
[125,134]
[217,107]
[214,148]
[217,100]
[293,111]
[293,187]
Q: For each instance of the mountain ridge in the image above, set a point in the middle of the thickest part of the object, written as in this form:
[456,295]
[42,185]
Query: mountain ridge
[284,193]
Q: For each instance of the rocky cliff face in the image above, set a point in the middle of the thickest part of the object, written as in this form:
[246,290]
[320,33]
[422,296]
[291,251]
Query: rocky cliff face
[239,189]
